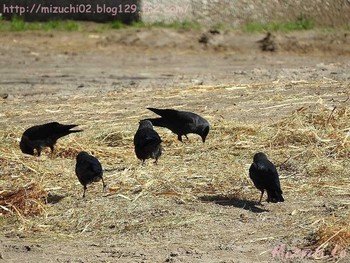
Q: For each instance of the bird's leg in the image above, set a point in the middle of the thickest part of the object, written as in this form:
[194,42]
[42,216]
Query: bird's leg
[186,136]
[84,191]
[143,162]
[156,161]
[261,196]
[38,151]
[104,185]
[179,137]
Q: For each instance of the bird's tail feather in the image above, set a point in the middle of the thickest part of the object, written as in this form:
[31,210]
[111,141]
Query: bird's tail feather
[156,111]
[68,126]
[157,122]
[62,134]
[66,129]
[275,196]
[72,131]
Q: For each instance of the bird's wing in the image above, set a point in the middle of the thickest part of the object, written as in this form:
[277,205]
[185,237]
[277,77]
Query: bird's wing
[48,130]
[188,117]
[253,171]
[153,138]
[259,175]
[179,122]
[40,131]
[274,178]
[145,137]
[60,130]
[256,176]
[94,164]
[174,114]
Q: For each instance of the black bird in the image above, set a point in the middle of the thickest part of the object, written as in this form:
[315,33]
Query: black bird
[268,43]
[88,170]
[265,177]
[181,122]
[45,135]
[147,142]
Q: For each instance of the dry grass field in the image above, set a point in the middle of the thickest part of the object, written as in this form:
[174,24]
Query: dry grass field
[198,203]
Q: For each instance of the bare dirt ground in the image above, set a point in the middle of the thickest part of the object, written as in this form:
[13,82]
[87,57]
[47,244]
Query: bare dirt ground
[197,204]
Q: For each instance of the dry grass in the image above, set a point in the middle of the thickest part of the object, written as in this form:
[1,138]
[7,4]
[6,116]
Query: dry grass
[332,237]
[25,201]
[334,233]
[310,147]
[316,126]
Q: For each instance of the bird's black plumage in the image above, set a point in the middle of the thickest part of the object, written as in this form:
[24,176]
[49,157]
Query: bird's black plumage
[265,177]
[181,122]
[45,135]
[147,142]
[88,170]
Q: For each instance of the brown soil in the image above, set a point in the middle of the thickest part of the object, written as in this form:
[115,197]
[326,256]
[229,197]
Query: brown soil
[178,210]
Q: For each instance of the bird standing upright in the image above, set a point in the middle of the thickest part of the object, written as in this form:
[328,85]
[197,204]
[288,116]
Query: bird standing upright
[265,177]
[147,142]
[181,122]
[88,170]
[45,135]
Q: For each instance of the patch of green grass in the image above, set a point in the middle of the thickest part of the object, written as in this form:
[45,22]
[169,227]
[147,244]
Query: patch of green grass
[187,25]
[2,23]
[220,26]
[70,25]
[50,25]
[179,25]
[117,24]
[176,25]
[299,24]
[138,24]
[18,24]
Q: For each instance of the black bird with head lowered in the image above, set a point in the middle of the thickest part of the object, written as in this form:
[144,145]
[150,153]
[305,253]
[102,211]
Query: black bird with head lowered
[45,135]
[147,142]
[181,122]
[265,177]
[88,170]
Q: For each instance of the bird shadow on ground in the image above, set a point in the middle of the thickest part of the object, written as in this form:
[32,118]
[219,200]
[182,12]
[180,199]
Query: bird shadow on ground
[54,199]
[233,201]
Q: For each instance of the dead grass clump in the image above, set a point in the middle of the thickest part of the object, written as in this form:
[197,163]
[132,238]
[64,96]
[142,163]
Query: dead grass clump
[232,136]
[114,139]
[319,126]
[228,129]
[332,237]
[287,136]
[69,153]
[326,167]
[25,201]
[3,161]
